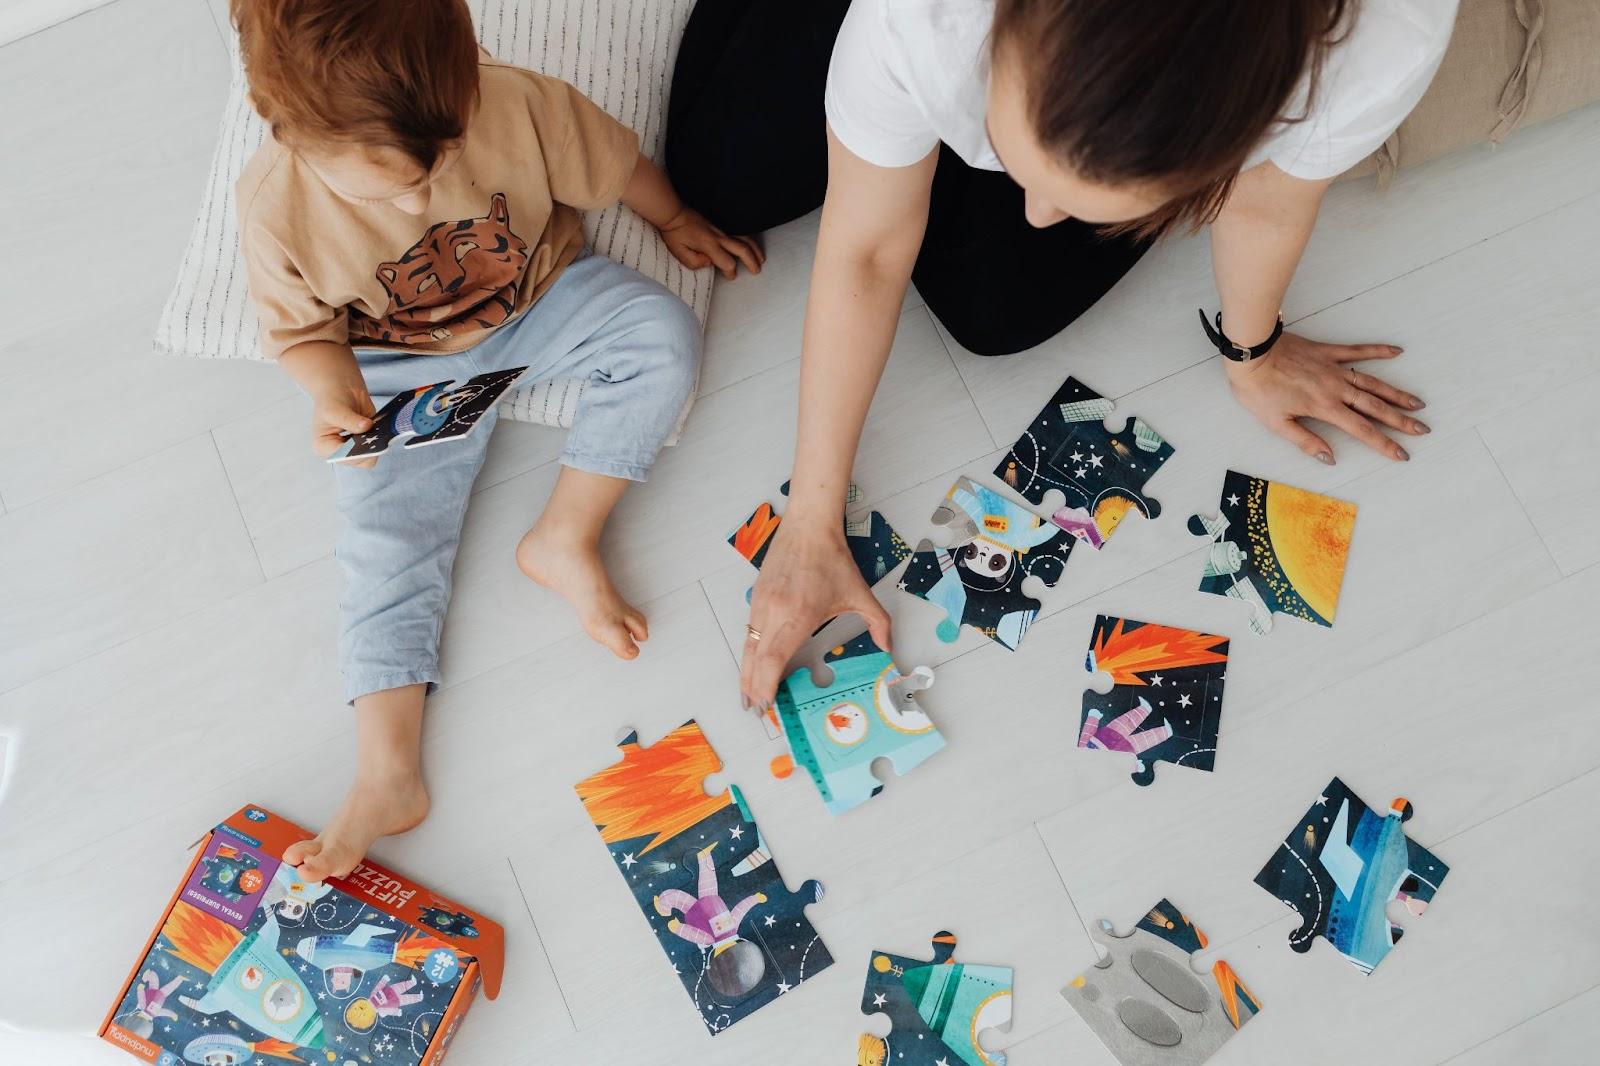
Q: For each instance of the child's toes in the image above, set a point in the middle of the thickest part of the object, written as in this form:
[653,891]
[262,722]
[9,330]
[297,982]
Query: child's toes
[297,853]
[638,627]
[614,635]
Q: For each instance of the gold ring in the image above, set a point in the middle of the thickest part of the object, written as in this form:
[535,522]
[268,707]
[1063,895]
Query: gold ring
[752,633]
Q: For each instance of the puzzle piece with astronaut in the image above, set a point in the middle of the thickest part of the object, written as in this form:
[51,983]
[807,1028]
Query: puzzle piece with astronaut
[937,1008]
[429,414]
[874,545]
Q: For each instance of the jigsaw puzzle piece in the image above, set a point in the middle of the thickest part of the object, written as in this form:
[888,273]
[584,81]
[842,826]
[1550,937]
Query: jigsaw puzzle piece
[703,876]
[1145,1002]
[874,545]
[868,710]
[996,545]
[429,414]
[1280,549]
[937,1008]
[1099,476]
[1165,701]
[1341,866]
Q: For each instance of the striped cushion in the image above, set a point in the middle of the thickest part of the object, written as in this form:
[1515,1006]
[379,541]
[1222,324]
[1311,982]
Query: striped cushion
[617,52]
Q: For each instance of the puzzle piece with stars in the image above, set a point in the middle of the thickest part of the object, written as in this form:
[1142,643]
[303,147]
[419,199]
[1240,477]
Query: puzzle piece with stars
[429,414]
[1166,694]
[704,877]
[937,1008]
[874,545]
[1092,477]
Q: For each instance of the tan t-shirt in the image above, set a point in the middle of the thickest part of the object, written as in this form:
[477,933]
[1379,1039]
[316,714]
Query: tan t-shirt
[499,228]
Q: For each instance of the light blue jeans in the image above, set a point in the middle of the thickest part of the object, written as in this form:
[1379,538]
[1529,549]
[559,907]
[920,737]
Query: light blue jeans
[638,347]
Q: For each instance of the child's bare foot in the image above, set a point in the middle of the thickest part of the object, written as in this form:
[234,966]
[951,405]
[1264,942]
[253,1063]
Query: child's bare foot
[571,566]
[378,804]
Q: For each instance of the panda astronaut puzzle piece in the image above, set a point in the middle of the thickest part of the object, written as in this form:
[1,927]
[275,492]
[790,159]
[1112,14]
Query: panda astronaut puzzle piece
[978,580]
[867,711]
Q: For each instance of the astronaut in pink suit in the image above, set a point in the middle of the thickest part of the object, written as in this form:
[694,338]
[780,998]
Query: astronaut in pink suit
[707,921]
[1122,732]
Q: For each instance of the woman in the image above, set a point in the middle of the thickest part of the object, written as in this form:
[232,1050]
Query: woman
[1014,157]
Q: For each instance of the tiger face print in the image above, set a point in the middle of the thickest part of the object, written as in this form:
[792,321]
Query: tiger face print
[459,274]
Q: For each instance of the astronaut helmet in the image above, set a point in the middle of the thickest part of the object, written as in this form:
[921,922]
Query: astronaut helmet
[292,908]
[988,560]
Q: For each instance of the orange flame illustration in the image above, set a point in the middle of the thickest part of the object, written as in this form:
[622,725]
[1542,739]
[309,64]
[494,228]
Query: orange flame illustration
[1234,995]
[416,946]
[658,790]
[757,530]
[278,1049]
[1125,654]
[198,938]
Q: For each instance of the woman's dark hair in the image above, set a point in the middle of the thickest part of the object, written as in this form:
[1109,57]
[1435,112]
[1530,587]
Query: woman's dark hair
[1173,92]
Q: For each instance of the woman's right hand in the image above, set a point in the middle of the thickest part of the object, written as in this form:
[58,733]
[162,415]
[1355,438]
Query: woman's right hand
[807,578]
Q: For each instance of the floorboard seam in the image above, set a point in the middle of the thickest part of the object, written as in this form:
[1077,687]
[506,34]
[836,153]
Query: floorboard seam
[1519,1025]
[1521,506]
[544,950]
[238,508]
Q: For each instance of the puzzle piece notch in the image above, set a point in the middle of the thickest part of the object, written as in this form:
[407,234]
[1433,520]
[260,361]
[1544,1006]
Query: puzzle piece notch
[1342,866]
[1277,548]
[1087,476]
[733,953]
[1173,676]
[997,551]
[429,414]
[1147,1002]
[837,721]
[874,545]
[937,1008]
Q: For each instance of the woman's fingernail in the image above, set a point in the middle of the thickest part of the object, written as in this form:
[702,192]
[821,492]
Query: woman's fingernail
[1401,454]
[1396,349]
[1325,458]
[1423,427]
[1416,404]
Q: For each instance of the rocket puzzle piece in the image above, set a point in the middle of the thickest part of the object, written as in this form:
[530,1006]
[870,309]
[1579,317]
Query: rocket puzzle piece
[1145,1002]
[873,543]
[867,711]
[977,580]
[703,877]
[1166,696]
[1278,548]
[938,1008]
[1094,477]
[429,414]
[1340,867]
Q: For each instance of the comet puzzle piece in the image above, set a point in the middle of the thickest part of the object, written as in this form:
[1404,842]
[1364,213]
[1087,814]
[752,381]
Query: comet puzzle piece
[1341,866]
[1166,694]
[874,545]
[937,1008]
[1093,478]
[865,710]
[429,414]
[703,877]
[996,546]
[1280,549]
[1145,1002]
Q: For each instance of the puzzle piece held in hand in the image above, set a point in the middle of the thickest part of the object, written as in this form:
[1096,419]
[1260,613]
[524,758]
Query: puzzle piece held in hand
[1166,695]
[1278,548]
[997,545]
[873,543]
[1093,477]
[1145,1002]
[867,711]
[1341,866]
[430,414]
[938,1008]
[704,877]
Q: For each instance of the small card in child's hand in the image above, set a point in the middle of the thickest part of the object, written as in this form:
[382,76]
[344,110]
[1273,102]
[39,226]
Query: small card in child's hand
[429,414]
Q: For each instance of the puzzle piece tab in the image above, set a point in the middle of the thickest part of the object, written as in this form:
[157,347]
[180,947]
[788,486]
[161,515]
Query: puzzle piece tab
[873,543]
[997,545]
[1340,867]
[1145,1002]
[1278,548]
[1094,478]
[867,711]
[703,876]
[429,414]
[1166,695]
[938,1008]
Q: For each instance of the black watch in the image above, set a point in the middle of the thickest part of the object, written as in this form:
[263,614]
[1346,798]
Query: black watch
[1238,353]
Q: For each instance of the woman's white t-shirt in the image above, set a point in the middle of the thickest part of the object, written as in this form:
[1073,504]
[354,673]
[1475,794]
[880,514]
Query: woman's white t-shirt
[907,74]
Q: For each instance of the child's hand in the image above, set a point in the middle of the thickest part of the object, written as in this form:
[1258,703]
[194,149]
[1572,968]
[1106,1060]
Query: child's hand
[337,412]
[695,243]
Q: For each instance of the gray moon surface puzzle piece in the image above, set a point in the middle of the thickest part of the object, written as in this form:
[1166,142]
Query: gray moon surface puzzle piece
[1170,978]
[1149,1022]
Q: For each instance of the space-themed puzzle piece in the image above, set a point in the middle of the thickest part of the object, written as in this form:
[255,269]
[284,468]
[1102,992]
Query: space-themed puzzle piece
[874,545]
[429,414]
[996,545]
[1145,1001]
[1092,478]
[1280,549]
[1342,865]
[937,1008]
[703,877]
[866,710]
[1166,694]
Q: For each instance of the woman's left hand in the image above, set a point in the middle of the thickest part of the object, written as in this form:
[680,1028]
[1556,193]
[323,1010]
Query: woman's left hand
[695,243]
[1301,378]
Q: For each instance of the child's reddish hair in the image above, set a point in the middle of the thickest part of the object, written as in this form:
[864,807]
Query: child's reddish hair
[395,73]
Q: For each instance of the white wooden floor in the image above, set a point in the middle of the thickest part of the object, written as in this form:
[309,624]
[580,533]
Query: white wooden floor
[167,603]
